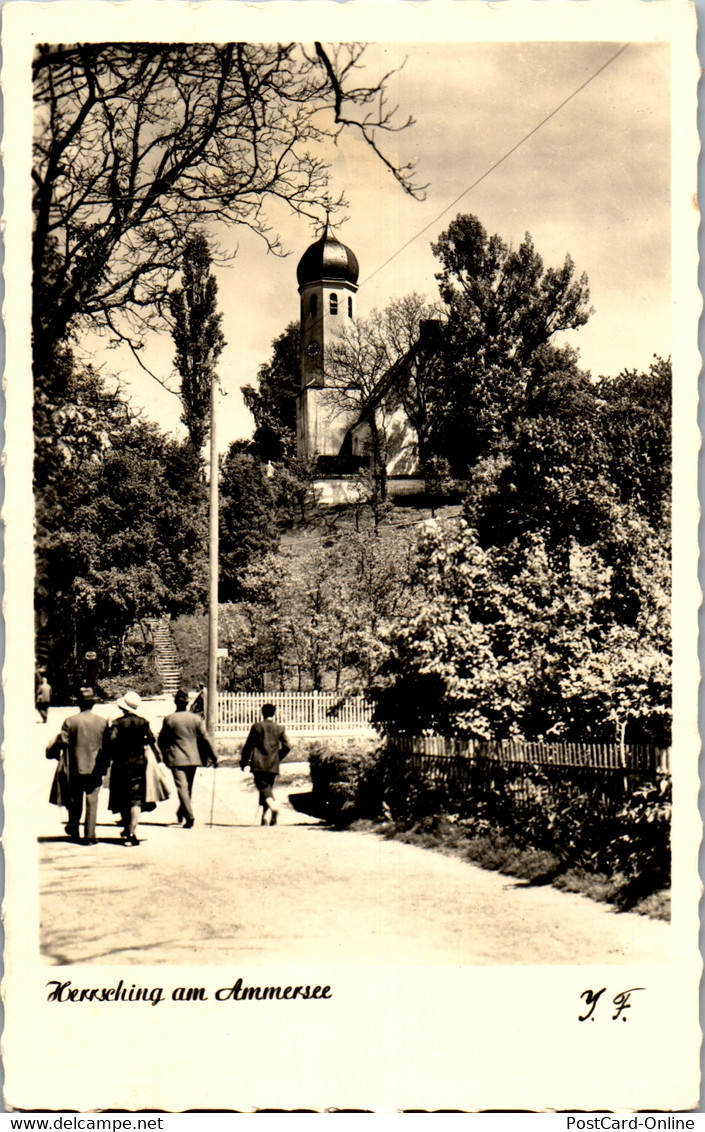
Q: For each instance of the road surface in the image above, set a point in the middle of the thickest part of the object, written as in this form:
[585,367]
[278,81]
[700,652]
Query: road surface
[236,892]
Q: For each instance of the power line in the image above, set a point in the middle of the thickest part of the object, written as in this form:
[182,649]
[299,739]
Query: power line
[498,163]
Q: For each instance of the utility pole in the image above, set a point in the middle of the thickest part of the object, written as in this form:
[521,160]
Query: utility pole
[212,697]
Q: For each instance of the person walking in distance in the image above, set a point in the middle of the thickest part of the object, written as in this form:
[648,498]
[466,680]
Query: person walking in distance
[43,698]
[264,747]
[83,737]
[199,702]
[185,745]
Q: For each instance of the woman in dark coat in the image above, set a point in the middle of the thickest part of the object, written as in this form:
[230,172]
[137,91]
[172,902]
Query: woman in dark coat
[129,737]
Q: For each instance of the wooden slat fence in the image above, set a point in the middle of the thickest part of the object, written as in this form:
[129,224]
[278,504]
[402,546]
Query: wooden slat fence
[302,713]
[463,769]
[640,759]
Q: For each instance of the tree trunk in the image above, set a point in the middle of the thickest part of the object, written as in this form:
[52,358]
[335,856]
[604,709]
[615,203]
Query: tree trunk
[379,470]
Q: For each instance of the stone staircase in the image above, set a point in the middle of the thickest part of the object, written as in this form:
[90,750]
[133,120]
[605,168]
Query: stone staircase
[165,658]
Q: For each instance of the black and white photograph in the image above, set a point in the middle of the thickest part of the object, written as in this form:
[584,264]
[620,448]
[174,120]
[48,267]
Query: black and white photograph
[351,556]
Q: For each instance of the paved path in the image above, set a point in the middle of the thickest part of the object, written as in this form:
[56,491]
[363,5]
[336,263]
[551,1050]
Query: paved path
[236,892]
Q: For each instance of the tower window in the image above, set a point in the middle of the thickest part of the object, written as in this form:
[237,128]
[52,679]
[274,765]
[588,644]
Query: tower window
[314,306]
[334,303]
[349,306]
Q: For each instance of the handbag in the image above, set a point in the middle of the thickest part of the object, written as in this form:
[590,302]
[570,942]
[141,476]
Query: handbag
[166,778]
[59,794]
[56,748]
[156,780]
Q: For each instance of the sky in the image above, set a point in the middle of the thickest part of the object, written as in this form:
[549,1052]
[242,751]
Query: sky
[593,181]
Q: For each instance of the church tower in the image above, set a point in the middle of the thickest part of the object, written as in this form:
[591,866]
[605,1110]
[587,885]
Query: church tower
[327,276]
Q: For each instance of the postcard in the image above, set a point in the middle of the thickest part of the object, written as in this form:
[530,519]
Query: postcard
[351,742]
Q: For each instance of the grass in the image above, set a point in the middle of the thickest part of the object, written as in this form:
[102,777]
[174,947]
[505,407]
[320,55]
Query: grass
[536,866]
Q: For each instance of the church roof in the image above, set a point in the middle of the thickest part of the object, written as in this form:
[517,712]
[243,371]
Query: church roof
[327,258]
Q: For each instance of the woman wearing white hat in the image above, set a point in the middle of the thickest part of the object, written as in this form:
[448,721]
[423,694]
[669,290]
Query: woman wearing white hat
[129,737]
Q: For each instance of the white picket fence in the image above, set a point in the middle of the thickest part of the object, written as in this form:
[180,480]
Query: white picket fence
[302,713]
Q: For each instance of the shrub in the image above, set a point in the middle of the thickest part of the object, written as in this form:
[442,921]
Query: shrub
[581,822]
[137,672]
[641,845]
[190,633]
[347,782]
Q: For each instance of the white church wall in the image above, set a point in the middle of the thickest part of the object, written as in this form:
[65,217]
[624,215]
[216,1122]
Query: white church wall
[324,426]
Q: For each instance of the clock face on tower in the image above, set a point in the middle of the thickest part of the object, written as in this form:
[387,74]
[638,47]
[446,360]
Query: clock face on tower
[313,349]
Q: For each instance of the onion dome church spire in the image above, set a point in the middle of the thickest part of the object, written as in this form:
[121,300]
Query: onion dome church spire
[327,276]
[327,259]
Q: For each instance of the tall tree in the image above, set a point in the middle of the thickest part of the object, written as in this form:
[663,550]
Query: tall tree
[273,402]
[248,531]
[503,306]
[137,144]
[580,456]
[512,300]
[195,328]
[119,528]
[551,474]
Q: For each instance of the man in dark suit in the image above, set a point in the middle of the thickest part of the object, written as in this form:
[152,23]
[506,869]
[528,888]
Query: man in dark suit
[185,745]
[264,747]
[83,736]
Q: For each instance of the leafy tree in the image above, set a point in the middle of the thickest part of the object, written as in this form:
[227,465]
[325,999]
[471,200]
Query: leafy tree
[253,630]
[137,144]
[586,462]
[329,612]
[550,476]
[273,406]
[73,430]
[312,615]
[505,642]
[195,328]
[293,484]
[508,298]
[367,485]
[440,485]
[247,523]
[119,529]
[636,419]
[273,402]
[371,580]
[618,681]
[503,306]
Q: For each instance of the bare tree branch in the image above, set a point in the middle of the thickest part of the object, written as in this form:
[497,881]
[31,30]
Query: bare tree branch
[138,144]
